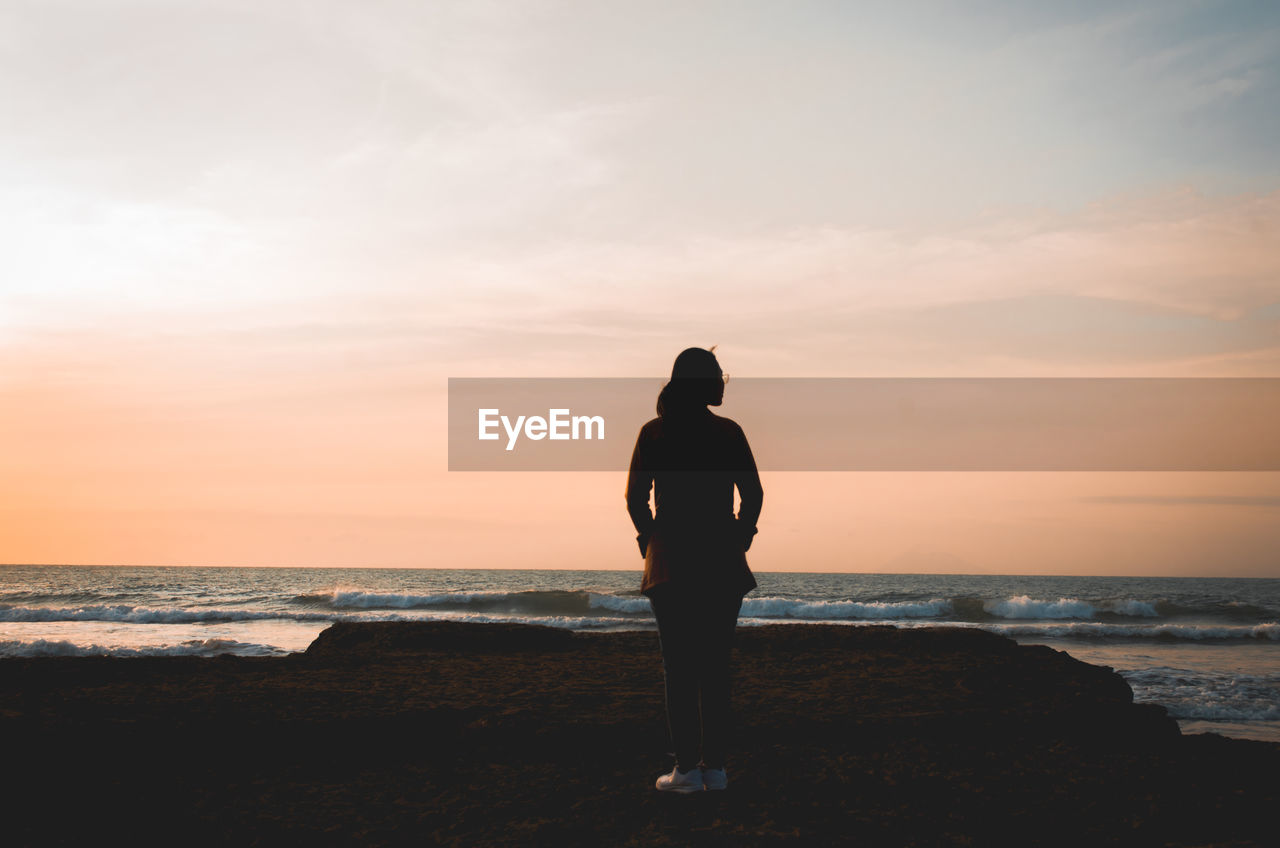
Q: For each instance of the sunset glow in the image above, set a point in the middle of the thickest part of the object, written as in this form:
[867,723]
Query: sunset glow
[246,245]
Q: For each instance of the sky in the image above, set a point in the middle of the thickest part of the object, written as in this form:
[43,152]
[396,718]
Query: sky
[243,246]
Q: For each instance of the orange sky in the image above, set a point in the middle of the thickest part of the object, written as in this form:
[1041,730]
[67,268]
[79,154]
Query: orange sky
[170,460]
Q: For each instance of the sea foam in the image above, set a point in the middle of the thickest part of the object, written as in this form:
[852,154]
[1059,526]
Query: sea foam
[837,610]
[148,615]
[1162,632]
[190,648]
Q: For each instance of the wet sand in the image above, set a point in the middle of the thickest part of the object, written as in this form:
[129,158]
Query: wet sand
[456,734]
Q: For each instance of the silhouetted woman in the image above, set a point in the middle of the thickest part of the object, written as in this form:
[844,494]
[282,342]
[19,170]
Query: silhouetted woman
[695,565]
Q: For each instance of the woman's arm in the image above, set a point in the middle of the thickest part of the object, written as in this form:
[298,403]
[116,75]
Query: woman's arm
[639,482]
[751,493]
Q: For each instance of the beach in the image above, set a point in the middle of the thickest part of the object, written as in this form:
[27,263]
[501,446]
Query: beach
[498,734]
[1205,649]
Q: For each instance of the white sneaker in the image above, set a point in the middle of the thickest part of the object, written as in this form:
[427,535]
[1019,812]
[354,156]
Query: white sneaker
[715,778]
[682,782]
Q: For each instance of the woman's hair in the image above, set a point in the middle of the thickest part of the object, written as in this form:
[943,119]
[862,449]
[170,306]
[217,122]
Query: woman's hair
[695,377]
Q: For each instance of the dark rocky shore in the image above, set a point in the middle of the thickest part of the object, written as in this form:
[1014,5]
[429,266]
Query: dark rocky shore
[441,733]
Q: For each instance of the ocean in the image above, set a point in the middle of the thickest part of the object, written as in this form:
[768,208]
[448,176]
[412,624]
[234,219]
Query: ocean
[1208,649]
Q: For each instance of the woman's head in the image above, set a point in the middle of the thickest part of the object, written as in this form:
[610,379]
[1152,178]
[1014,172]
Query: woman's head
[696,381]
[696,363]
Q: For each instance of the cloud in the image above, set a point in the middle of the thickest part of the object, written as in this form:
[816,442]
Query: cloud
[1176,284]
[508,183]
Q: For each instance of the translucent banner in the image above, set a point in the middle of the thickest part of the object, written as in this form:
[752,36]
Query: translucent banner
[885,424]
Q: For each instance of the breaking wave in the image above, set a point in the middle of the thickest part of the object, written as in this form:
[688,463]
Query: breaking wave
[1160,632]
[190,648]
[837,610]
[587,603]
[1020,616]
[1023,606]
[148,615]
